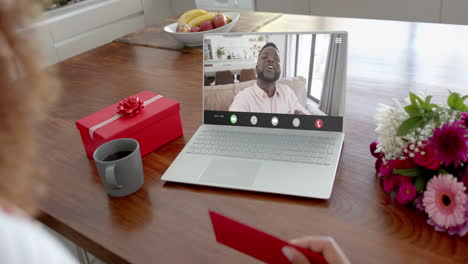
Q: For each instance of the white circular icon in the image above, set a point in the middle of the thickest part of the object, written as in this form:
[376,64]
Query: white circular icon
[274,121]
[296,122]
[253,120]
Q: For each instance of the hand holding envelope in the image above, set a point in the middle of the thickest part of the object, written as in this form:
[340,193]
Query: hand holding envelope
[272,250]
[325,245]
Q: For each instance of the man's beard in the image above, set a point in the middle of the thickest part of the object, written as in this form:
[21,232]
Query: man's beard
[262,77]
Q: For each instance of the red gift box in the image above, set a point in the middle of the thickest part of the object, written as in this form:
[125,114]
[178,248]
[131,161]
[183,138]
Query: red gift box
[156,124]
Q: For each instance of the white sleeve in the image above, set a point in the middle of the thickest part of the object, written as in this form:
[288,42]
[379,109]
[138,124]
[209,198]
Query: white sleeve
[24,241]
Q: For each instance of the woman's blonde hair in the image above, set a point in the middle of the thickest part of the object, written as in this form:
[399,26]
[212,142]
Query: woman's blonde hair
[26,90]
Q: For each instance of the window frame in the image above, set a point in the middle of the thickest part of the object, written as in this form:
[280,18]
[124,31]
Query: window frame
[311,70]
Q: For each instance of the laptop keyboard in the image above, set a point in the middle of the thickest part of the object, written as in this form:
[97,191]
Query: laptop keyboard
[251,145]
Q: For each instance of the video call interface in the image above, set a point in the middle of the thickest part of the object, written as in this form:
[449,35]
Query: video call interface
[282,80]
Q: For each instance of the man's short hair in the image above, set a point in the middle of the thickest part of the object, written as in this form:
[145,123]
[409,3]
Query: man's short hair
[268,44]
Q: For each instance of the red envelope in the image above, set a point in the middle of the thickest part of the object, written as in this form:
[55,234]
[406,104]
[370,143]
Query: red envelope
[255,243]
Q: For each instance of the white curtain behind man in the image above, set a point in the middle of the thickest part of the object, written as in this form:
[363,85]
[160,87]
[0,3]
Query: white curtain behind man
[332,98]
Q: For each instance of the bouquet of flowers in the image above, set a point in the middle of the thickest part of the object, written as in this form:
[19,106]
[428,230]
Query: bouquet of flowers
[422,158]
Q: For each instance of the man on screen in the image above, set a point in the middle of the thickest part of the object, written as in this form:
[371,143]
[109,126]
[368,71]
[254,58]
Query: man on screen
[267,96]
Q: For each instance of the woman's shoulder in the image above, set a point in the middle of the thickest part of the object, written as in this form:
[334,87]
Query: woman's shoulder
[22,240]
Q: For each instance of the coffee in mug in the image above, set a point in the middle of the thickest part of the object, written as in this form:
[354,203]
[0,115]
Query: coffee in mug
[120,167]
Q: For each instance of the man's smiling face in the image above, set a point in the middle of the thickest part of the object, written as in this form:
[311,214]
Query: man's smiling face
[268,65]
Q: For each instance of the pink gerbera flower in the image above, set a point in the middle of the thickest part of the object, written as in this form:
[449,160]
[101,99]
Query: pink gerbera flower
[444,201]
[460,230]
[450,144]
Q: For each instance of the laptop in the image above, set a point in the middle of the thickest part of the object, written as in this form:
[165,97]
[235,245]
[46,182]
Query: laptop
[273,106]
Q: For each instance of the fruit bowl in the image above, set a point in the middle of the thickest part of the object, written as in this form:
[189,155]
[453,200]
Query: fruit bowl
[196,38]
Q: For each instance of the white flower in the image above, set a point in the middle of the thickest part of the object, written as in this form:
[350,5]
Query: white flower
[389,118]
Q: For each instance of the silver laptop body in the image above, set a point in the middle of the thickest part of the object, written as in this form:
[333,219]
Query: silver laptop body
[292,149]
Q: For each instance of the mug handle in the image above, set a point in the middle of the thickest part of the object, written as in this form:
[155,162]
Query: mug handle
[110,177]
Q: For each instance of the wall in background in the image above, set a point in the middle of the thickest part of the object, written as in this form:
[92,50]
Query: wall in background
[180,6]
[280,42]
[245,47]
[406,10]
[280,6]
[156,10]
[454,12]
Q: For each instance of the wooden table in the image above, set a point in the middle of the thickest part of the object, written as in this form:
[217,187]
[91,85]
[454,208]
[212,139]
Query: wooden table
[169,223]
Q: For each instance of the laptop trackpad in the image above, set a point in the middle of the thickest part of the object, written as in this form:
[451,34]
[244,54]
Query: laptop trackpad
[231,172]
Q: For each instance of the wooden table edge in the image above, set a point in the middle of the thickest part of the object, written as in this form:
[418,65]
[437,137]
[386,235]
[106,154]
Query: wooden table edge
[79,239]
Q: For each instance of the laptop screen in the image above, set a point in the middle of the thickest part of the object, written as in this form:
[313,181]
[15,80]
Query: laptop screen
[275,80]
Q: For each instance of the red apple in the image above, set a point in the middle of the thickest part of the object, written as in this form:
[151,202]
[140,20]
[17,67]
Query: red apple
[219,20]
[195,29]
[207,25]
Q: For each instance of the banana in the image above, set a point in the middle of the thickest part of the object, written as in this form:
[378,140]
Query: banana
[229,19]
[196,22]
[190,15]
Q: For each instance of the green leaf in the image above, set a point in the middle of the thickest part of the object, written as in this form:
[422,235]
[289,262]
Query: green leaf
[452,100]
[412,98]
[427,103]
[420,101]
[415,100]
[437,120]
[456,102]
[412,110]
[428,99]
[409,124]
[420,183]
[416,172]
[442,171]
